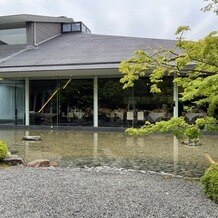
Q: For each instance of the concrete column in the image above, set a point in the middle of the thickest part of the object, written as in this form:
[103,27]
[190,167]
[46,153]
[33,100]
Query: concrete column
[95,103]
[27,102]
[34,34]
[176,100]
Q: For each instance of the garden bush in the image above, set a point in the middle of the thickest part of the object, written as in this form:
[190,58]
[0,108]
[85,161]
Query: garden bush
[3,149]
[207,123]
[209,182]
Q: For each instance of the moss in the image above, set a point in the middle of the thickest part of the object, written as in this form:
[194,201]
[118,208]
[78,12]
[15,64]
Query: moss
[209,182]
[3,149]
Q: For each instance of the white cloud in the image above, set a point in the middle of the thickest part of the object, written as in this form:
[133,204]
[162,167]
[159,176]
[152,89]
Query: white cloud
[143,18]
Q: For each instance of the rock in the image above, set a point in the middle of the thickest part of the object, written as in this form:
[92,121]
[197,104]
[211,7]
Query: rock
[191,143]
[39,163]
[53,164]
[32,138]
[13,160]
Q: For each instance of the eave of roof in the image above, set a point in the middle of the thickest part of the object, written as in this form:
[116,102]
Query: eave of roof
[102,70]
[78,66]
[21,18]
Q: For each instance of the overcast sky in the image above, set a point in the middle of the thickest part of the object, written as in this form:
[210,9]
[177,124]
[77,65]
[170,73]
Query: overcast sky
[140,18]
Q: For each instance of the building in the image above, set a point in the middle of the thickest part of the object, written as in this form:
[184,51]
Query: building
[54,71]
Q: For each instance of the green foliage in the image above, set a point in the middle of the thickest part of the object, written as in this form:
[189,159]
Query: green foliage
[3,149]
[209,182]
[211,6]
[181,29]
[192,133]
[177,126]
[207,123]
[193,63]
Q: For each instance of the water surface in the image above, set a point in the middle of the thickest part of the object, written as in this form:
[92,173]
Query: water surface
[158,153]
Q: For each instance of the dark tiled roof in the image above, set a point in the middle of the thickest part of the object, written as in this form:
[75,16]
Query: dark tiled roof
[71,49]
[7,50]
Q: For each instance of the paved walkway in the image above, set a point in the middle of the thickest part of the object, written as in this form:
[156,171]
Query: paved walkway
[108,192]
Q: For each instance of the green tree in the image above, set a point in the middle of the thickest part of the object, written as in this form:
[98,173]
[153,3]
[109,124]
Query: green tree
[211,6]
[193,63]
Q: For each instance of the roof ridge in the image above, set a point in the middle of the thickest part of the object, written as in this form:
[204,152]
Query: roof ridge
[132,37]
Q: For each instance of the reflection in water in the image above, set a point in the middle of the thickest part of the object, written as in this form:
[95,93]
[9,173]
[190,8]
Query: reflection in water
[141,141]
[27,133]
[175,153]
[130,141]
[80,149]
[95,146]
[26,151]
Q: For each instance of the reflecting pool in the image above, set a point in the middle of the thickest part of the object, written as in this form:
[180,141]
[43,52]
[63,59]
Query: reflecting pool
[160,153]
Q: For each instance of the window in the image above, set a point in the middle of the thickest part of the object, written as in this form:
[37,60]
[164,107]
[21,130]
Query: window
[85,29]
[75,27]
[66,28]
[13,36]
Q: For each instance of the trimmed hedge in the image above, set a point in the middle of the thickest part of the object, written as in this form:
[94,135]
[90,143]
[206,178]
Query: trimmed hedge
[209,182]
[3,149]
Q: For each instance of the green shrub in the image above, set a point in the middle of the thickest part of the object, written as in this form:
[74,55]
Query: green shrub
[209,182]
[207,123]
[3,149]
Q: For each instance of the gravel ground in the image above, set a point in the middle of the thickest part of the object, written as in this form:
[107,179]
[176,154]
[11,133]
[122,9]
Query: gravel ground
[107,192]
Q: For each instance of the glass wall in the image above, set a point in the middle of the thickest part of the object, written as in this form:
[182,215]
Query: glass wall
[44,98]
[70,102]
[76,102]
[13,36]
[153,107]
[12,102]
[134,106]
[61,102]
[113,103]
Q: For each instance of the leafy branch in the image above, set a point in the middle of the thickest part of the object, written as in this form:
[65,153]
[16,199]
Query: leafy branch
[184,132]
[192,61]
[211,6]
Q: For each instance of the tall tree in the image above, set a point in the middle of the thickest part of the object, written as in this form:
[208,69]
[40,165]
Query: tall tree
[193,63]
